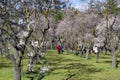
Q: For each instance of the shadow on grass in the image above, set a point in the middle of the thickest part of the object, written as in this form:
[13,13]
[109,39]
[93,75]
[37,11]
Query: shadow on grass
[57,61]
[104,57]
[68,60]
[109,61]
[84,67]
[72,68]
[5,65]
[77,69]
[75,65]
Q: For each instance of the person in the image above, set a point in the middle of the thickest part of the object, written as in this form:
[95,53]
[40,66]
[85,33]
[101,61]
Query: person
[77,51]
[84,50]
[62,49]
[58,49]
[95,49]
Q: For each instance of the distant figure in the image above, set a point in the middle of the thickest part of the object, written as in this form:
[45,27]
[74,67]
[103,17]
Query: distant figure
[84,50]
[59,49]
[78,51]
[95,49]
[62,49]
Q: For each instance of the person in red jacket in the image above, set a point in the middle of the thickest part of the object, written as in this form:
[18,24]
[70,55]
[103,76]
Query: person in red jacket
[59,49]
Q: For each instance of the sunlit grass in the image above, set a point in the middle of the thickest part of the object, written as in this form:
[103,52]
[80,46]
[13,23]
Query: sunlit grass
[73,67]
[67,66]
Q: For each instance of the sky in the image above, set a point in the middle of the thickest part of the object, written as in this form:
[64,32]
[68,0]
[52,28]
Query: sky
[81,4]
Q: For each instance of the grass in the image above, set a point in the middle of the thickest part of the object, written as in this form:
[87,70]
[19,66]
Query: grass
[67,66]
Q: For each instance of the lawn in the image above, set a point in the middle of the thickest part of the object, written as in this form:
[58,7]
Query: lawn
[67,66]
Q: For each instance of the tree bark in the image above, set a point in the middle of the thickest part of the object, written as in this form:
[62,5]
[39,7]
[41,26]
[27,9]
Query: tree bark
[17,71]
[97,57]
[114,60]
[115,50]
[16,61]
[87,54]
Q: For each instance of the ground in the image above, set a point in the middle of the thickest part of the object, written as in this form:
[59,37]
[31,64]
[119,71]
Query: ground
[67,66]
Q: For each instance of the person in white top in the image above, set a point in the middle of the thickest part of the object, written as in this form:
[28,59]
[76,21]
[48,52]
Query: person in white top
[95,49]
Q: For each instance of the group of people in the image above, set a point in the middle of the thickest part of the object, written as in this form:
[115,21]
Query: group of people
[60,49]
[80,50]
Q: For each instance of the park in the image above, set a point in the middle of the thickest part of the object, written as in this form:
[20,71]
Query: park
[68,66]
[59,39]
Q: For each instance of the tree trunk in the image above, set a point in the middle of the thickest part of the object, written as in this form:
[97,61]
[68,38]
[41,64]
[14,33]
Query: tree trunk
[17,71]
[114,60]
[51,45]
[87,54]
[30,64]
[115,49]
[16,61]
[97,57]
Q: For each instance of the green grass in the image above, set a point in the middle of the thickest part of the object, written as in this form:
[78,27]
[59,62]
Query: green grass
[67,66]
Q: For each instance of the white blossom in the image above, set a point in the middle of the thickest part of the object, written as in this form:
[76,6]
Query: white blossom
[41,54]
[22,34]
[41,44]
[20,21]
[30,54]
[31,24]
[116,27]
[30,67]
[44,69]
[35,43]
[22,42]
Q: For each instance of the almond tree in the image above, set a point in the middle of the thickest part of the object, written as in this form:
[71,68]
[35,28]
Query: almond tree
[111,12]
[17,24]
[67,29]
[14,33]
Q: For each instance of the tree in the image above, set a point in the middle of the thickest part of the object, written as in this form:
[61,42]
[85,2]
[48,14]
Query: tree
[111,9]
[17,24]
[67,29]
[14,32]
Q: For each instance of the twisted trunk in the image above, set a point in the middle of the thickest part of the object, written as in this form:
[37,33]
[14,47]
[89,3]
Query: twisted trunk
[17,71]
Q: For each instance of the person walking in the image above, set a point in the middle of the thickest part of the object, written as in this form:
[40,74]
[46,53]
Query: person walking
[58,49]
[62,49]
